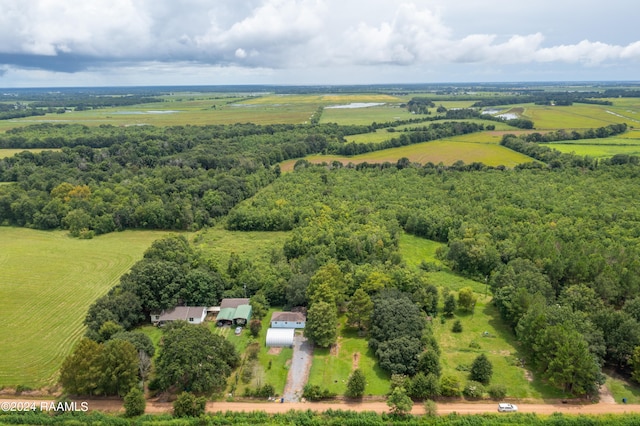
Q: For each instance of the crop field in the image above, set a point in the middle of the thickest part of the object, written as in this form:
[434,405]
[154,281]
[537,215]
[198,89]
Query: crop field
[366,115]
[48,282]
[576,116]
[596,150]
[442,151]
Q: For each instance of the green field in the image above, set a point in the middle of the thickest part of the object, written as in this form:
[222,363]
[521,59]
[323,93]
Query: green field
[5,152]
[218,244]
[48,282]
[441,151]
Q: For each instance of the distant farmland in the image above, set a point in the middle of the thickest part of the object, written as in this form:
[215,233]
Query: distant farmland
[48,282]
[443,151]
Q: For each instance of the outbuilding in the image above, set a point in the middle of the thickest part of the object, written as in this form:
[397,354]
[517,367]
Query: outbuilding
[280,337]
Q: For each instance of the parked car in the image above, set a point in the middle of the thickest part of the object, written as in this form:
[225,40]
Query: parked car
[505,407]
[238,330]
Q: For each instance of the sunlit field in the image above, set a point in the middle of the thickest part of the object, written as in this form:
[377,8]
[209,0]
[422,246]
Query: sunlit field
[47,284]
[442,151]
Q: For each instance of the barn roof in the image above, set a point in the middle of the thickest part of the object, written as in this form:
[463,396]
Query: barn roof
[243,311]
[182,313]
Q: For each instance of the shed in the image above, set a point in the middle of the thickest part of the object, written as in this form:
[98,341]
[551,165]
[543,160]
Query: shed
[242,315]
[225,316]
[280,337]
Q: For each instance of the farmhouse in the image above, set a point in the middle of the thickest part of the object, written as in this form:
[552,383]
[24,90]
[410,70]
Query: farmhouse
[280,337]
[234,311]
[191,314]
[288,320]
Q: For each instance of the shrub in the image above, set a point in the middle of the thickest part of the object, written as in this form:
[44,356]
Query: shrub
[430,408]
[134,403]
[497,391]
[316,393]
[254,327]
[188,405]
[449,386]
[473,390]
[481,369]
[457,326]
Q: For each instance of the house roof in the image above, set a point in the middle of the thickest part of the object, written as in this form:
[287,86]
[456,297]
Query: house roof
[243,311]
[233,303]
[182,313]
[288,316]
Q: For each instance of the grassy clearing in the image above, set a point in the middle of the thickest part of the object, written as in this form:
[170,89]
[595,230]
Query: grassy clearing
[218,244]
[48,282]
[484,332]
[415,250]
[460,349]
[442,151]
[6,152]
[331,368]
[365,116]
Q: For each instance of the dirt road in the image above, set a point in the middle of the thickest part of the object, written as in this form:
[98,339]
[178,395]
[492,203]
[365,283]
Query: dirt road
[114,405]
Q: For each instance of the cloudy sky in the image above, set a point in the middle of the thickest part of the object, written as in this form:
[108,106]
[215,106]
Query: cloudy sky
[184,42]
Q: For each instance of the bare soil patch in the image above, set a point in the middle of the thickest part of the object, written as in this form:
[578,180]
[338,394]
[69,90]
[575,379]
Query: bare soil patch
[335,349]
[356,360]
[274,351]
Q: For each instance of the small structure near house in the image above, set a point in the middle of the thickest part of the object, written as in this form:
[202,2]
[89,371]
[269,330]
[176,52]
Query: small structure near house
[280,337]
[288,320]
[234,312]
[191,314]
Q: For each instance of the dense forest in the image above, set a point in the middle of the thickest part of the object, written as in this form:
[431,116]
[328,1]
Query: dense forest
[556,239]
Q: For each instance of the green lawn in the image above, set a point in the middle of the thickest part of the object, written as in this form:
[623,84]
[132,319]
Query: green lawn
[331,368]
[47,284]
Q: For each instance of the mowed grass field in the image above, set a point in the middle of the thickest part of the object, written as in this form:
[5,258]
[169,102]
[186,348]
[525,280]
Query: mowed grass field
[47,284]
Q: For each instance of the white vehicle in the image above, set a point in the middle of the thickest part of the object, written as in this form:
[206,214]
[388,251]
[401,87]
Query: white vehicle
[505,407]
[238,330]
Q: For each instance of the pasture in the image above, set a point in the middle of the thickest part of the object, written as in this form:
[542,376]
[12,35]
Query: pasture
[48,282]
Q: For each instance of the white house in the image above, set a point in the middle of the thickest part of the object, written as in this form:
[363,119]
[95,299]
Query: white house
[280,337]
[288,320]
[191,314]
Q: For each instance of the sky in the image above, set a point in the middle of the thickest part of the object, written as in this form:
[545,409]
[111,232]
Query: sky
[67,43]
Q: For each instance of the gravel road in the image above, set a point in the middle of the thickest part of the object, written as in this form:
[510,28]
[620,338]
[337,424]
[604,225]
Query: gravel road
[299,368]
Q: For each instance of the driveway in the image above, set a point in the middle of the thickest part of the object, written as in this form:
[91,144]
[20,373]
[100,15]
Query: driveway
[299,368]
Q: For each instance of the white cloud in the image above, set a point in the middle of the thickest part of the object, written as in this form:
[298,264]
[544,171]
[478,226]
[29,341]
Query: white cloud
[67,35]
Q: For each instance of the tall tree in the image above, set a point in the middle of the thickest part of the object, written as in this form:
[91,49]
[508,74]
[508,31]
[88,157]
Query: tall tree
[118,363]
[80,372]
[192,358]
[360,309]
[356,384]
[322,324]
[481,369]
